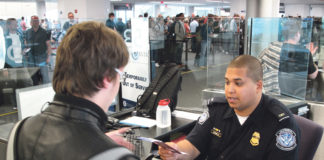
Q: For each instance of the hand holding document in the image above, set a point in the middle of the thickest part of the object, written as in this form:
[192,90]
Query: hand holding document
[160,143]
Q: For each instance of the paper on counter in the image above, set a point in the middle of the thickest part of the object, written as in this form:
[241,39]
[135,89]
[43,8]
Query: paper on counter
[186,115]
[139,121]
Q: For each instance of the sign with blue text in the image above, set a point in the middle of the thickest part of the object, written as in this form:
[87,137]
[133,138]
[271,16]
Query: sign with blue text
[137,71]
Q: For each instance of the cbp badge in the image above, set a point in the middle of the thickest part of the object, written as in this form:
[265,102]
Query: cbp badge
[203,118]
[255,139]
[286,139]
[217,132]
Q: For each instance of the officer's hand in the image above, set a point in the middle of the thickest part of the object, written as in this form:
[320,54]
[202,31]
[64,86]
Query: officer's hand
[167,154]
[117,136]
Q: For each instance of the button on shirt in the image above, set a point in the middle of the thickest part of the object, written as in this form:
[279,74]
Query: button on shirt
[270,132]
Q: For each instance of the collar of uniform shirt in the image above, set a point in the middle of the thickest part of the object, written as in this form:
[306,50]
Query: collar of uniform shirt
[259,111]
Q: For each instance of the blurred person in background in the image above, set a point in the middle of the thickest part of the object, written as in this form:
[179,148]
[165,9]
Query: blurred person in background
[110,21]
[121,27]
[38,43]
[23,24]
[70,22]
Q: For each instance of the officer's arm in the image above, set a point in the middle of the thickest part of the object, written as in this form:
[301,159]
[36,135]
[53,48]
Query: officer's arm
[190,151]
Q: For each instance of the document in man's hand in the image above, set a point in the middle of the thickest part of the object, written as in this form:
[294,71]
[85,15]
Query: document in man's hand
[160,143]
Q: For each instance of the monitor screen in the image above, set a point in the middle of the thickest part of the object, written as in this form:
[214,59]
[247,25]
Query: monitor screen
[31,100]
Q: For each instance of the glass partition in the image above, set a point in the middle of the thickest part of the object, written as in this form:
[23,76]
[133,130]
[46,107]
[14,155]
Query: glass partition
[283,46]
[223,43]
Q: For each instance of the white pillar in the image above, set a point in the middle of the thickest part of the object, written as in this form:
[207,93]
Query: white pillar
[190,10]
[156,10]
[262,8]
[86,9]
[41,8]
[252,8]
[269,8]
[96,10]
[238,6]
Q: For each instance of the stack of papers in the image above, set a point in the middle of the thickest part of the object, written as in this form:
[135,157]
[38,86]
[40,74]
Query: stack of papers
[138,121]
[186,115]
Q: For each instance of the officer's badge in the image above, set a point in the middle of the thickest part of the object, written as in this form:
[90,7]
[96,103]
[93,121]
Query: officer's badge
[255,139]
[286,139]
[281,115]
[217,132]
[203,118]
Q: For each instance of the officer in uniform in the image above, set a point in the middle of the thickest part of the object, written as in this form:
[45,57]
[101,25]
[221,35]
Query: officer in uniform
[245,124]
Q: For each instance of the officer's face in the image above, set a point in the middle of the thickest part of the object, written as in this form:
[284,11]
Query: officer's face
[241,91]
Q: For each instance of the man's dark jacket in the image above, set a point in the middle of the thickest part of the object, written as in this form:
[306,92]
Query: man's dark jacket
[70,128]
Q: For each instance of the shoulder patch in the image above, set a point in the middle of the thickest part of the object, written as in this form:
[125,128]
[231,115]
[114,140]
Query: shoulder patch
[216,100]
[203,118]
[286,139]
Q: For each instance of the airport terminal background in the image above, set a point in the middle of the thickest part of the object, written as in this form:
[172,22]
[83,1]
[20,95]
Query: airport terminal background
[257,24]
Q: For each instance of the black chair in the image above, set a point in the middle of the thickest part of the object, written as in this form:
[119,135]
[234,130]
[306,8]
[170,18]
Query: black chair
[311,135]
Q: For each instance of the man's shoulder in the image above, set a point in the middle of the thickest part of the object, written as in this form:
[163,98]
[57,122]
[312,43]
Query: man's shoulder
[216,102]
[277,109]
[42,30]
[29,30]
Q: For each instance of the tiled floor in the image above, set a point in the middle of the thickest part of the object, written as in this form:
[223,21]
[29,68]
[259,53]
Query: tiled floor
[8,114]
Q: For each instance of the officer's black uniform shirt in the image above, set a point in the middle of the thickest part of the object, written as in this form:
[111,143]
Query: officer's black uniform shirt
[270,132]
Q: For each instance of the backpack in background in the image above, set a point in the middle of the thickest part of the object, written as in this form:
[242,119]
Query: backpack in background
[171,30]
[165,85]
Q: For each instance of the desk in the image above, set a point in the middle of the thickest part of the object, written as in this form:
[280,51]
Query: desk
[178,128]
[178,125]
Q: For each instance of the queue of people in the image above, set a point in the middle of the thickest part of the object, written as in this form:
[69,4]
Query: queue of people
[198,31]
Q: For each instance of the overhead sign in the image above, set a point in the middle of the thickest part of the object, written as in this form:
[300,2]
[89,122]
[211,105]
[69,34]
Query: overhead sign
[137,71]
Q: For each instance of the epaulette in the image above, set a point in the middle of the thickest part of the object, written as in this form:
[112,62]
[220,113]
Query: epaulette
[214,100]
[279,110]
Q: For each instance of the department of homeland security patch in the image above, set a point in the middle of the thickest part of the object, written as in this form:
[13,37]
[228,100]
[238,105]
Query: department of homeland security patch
[286,139]
[203,118]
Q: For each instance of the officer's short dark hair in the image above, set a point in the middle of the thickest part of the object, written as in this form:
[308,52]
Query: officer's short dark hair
[253,65]
[88,53]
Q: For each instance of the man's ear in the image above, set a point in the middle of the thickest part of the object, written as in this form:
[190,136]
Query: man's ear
[259,85]
[107,82]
